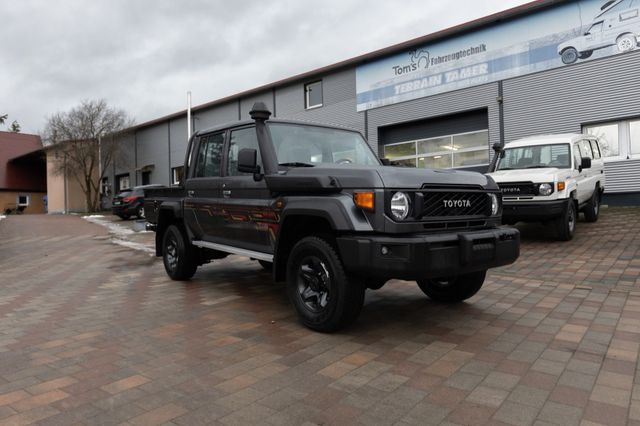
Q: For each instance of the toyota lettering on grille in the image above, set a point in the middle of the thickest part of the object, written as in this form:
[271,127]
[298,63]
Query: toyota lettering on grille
[510,190]
[456,203]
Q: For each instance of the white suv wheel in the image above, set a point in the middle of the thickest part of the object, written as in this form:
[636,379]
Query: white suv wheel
[626,43]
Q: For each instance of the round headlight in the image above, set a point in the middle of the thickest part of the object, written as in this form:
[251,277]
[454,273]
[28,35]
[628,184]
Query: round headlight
[495,204]
[400,205]
[545,189]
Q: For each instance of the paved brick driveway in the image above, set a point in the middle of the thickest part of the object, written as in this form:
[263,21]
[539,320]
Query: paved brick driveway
[94,333]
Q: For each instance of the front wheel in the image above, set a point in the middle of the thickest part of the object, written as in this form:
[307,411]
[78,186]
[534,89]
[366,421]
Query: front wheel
[178,255]
[592,209]
[325,298]
[453,289]
[566,224]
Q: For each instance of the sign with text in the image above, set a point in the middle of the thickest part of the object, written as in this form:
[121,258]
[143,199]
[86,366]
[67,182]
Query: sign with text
[566,34]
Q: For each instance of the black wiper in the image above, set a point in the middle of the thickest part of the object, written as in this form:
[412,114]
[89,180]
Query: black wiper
[537,166]
[504,168]
[296,164]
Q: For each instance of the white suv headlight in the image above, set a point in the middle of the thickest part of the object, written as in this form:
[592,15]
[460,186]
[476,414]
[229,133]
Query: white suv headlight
[545,189]
[495,204]
[400,206]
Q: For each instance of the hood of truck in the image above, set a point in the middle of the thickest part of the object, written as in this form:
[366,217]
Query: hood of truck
[351,176]
[550,174]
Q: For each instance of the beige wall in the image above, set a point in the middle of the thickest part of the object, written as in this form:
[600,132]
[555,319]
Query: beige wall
[9,199]
[56,191]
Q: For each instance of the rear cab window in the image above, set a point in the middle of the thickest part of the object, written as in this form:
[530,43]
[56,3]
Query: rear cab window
[209,157]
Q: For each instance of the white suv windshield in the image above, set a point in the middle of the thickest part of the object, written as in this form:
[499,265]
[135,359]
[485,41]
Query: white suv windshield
[537,156]
[308,145]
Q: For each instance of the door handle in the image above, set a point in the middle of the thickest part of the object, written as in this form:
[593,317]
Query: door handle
[190,193]
[226,193]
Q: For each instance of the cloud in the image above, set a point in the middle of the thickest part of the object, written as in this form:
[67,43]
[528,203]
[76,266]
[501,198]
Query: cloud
[144,55]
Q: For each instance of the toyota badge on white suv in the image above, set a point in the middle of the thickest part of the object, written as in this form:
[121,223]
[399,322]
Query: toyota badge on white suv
[550,179]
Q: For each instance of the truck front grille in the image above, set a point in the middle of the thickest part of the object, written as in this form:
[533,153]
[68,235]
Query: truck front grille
[455,204]
[514,189]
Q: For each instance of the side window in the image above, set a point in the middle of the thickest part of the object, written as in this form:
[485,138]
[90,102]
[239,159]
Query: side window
[209,158]
[242,138]
[585,149]
[596,149]
[577,156]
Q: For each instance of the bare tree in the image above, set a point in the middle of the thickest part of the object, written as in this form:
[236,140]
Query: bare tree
[3,118]
[84,138]
[15,127]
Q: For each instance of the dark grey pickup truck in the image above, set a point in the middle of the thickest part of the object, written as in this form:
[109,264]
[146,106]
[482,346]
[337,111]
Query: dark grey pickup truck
[316,206]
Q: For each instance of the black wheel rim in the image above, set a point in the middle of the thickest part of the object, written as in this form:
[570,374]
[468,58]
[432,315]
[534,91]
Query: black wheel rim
[442,282]
[171,253]
[313,280]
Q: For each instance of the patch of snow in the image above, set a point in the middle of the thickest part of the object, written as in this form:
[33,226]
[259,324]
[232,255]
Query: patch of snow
[133,245]
[114,228]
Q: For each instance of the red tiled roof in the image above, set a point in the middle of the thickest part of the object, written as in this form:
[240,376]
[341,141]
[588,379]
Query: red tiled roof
[21,176]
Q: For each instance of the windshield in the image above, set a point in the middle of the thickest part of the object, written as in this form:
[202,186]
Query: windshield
[537,156]
[300,145]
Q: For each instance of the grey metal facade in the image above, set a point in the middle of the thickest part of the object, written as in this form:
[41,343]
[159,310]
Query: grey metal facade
[553,101]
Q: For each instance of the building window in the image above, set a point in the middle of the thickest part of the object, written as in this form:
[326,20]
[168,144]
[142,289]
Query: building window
[618,140]
[123,182]
[146,178]
[23,200]
[313,95]
[176,175]
[443,152]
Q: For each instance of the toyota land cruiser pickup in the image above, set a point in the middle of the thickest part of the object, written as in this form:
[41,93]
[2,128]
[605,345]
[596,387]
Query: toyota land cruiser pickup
[549,179]
[316,206]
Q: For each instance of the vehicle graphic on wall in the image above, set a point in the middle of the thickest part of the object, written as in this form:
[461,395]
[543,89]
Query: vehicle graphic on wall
[617,24]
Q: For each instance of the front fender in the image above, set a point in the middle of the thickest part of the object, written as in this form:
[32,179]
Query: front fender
[339,210]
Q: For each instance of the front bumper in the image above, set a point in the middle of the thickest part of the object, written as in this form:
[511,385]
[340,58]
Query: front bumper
[532,211]
[428,255]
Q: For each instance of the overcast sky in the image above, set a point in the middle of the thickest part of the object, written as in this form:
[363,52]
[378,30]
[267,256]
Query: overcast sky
[144,55]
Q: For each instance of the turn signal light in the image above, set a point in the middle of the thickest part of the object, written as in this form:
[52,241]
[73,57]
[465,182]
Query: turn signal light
[364,200]
[560,186]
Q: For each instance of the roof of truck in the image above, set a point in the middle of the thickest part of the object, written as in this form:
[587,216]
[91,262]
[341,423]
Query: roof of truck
[548,139]
[271,121]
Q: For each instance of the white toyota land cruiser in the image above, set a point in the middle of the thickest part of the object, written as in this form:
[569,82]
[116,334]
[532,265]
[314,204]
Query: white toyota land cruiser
[549,179]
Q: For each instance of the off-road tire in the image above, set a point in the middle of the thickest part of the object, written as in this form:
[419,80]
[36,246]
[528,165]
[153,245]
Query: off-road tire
[267,266]
[569,55]
[566,223]
[453,289]
[178,255]
[314,257]
[592,209]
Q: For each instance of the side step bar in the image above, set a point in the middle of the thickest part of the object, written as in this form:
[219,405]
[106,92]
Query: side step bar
[234,250]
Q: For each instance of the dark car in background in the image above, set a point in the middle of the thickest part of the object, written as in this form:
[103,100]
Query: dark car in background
[131,202]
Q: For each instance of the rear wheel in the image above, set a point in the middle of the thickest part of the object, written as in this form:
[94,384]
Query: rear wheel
[626,42]
[592,209]
[566,224]
[178,255]
[325,298]
[453,289]
[569,55]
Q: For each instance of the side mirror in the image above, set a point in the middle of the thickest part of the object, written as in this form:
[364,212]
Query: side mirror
[248,161]
[586,163]
[385,161]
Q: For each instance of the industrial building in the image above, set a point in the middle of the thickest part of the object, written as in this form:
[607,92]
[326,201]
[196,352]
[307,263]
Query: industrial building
[444,99]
